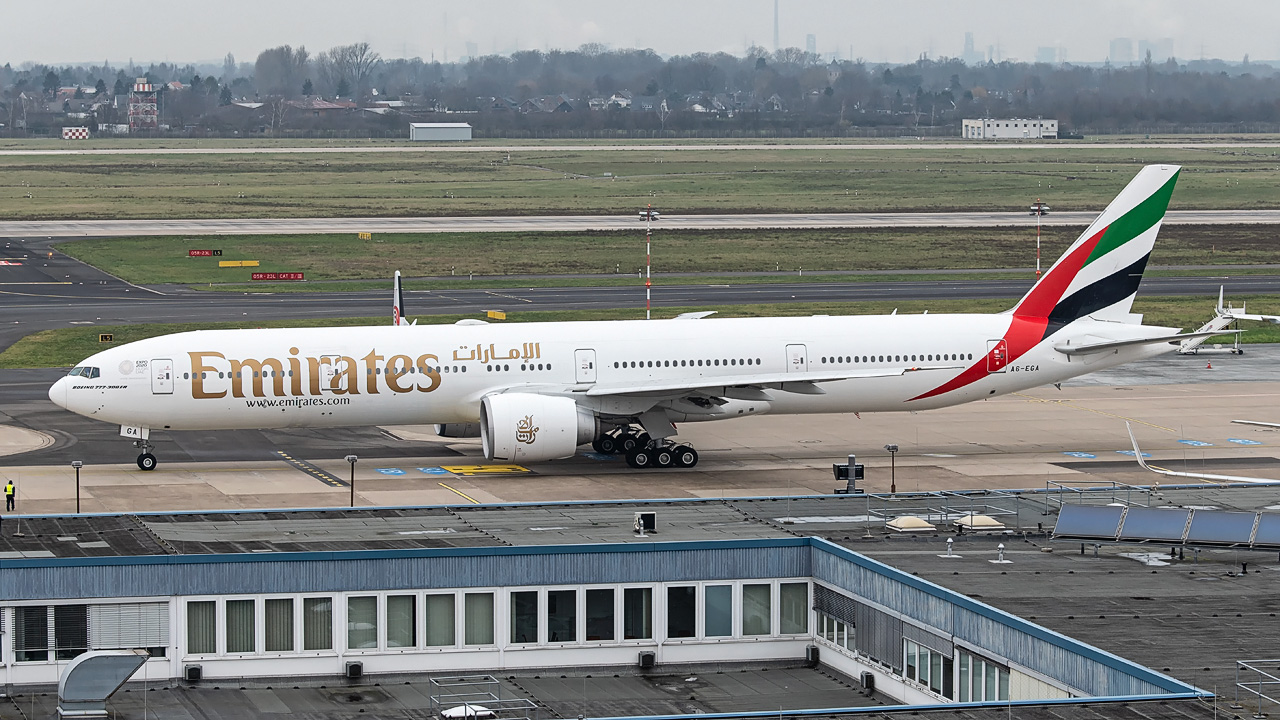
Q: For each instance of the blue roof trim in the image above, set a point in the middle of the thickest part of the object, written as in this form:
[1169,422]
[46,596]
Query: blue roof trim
[894,709]
[573,503]
[1039,632]
[345,555]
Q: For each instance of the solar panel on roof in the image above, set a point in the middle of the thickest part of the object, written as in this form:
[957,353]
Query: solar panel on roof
[1092,521]
[1268,530]
[1220,526]
[1154,524]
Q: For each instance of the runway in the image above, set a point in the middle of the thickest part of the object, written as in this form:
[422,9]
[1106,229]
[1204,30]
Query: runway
[585,223]
[640,147]
[68,293]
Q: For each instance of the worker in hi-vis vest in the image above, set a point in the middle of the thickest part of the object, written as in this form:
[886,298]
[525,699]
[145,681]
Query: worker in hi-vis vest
[9,493]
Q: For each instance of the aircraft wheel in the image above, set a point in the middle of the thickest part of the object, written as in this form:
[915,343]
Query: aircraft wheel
[663,457]
[603,445]
[685,456]
[627,442]
[641,457]
[147,462]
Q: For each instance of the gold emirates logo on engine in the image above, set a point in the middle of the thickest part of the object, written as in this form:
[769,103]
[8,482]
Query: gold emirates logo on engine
[525,431]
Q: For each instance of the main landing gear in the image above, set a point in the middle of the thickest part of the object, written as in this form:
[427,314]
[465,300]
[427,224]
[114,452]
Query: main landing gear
[642,451]
[146,461]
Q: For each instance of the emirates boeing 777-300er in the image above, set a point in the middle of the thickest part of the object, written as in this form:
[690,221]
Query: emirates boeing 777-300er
[537,391]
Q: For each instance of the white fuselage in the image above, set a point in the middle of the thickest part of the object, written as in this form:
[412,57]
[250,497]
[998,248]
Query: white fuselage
[389,375]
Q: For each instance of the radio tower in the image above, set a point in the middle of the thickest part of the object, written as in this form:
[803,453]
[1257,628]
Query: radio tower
[776,44]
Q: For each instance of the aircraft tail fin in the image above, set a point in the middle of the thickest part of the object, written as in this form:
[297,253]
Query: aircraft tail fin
[1099,274]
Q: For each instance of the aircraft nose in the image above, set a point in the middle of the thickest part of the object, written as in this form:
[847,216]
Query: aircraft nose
[58,393]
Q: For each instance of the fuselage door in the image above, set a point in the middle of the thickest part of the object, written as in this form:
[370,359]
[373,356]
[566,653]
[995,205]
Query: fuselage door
[797,358]
[330,366]
[997,355]
[584,366]
[161,377]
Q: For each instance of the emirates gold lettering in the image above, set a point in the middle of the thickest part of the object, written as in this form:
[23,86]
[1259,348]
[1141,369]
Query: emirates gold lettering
[213,374]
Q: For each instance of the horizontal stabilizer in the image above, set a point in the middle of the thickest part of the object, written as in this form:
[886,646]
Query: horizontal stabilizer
[1067,349]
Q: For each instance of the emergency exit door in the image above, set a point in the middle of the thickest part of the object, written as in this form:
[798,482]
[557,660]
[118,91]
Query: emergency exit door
[797,358]
[997,355]
[162,377]
[584,364]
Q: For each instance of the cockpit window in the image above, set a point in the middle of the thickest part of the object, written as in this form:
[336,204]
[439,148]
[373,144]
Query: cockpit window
[75,371]
[90,372]
[85,372]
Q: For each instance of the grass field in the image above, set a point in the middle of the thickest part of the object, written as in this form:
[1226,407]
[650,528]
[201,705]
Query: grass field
[549,181]
[343,257]
[68,346]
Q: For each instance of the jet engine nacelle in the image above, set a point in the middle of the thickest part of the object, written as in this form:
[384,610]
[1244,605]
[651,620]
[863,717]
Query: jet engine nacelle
[528,427]
[458,430]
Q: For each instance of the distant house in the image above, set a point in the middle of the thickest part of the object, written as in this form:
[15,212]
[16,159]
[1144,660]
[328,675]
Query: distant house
[620,100]
[318,107]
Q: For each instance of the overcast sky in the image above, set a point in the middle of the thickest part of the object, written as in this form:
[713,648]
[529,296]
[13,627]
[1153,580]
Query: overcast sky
[80,31]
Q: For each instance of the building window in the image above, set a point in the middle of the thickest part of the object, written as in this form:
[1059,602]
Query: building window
[440,620]
[982,680]
[478,619]
[793,602]
[317,623]
[402,626]
[202,628]
[562,616]
[524,617]
[70,631]
[756,609]
[600,624]
[928,667]
[835,631]
[682,611]
[362,622]
[717,620]
[31,640]
[278,615]
[240,626]
[637,613]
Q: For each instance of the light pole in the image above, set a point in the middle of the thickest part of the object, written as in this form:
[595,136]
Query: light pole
[1039,206]
[648,258]
[352,459]
[893,469]
[77,465]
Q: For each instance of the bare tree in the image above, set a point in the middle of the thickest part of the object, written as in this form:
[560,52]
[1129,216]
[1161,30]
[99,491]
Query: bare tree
[353,63]
[280,71]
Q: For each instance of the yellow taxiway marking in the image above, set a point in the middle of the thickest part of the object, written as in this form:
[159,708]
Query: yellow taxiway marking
[467,470]
[312,470]
[459,492]
[1067,404]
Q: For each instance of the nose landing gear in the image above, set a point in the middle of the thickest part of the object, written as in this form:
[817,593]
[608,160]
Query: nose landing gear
[146,461]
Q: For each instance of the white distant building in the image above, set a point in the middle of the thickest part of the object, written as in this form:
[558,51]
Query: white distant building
[439,131]
[1012,128]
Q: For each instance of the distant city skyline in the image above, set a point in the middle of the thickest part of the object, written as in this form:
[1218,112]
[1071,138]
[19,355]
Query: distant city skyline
[1086,31]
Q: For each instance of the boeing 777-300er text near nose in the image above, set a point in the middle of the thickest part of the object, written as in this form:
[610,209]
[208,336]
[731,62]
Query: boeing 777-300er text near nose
[537,391]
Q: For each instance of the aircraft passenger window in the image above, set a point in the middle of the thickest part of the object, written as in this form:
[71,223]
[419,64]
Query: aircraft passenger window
[255,373]
[522,368]
[186,376]
[757,361]
[539,367]
[464,368]
[548,366]
[615,366]
[650,363]
[488,368]
[204,376]
[855,358]
[506,367]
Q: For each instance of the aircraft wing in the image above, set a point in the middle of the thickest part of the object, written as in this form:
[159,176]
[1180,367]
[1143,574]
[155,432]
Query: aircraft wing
[1068,349]
[1259,423]
[1199,476]
[804,383]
